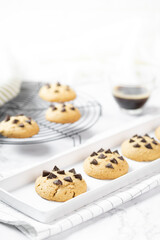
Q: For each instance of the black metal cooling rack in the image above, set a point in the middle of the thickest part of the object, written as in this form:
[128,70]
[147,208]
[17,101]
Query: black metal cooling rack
[30,104]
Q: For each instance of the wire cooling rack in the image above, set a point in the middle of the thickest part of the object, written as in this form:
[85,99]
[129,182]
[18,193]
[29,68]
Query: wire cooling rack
[30,104]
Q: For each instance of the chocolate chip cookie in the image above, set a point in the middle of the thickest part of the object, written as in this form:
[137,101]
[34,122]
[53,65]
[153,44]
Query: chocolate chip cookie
[18,126]
[57,93]
[60,185]
[63,113]
[141,148]
[105,164]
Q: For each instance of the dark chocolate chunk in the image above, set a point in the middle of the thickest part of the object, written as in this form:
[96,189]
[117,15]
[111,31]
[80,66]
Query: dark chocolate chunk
[21,125]
[78,176]
[139,136]
[94,162]
[7,118]
[136,145]
[146,135]
[108,151]
[53,107]
[57,182]
[55,168]
[93,154]
[135,135]
[116,152]
[29,118]
[45,173]
[15,121]
[51,175]
[28,121]
[61,172]
[102,156]
[68,179]
[63,110]
[72,171]
[143,140]
[121,158]
[131,140]
[63,104]
[109,165]
[154,142]
[100,150]
[113,160]
[72,108]
[149,146]
[58,84]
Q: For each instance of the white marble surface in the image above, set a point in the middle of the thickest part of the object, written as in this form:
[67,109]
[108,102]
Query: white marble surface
[138,219]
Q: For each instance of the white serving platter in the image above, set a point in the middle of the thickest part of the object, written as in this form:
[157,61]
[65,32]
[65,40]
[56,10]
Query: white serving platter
[18,190]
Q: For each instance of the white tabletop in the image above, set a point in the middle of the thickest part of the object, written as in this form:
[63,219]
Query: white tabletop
[138,219]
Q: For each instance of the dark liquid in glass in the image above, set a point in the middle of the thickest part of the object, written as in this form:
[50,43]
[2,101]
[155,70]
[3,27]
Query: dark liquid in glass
[130,97]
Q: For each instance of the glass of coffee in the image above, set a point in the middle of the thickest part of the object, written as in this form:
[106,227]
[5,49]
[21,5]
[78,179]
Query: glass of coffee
[133,94]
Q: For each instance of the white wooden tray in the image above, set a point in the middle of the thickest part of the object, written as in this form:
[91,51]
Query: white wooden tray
[18,190]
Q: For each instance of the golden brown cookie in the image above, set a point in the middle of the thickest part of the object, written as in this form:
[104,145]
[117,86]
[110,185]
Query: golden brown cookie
[59,185]
[18,126]
[57,93]
[105,165]
[141,148]
[157,133]
[63,113]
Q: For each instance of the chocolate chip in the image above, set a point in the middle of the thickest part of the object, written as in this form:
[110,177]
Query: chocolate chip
[68,179]
[146,135]
[61,172]
[116,152]
[21,125]
[149,146]
[93,154]
[78,176]
[53,107]
[29,118]
[45,173]
[100,150]
[15,121]
[56,91]
[57,182]
[154,142]
[28,121]
[72,171]
[109,165]
[7,118]
[143,140]
[135,135]
[136,145]
[131,140]
[72,108]
[51,175]
[108,151]
[58,84]
[113,160]
[63,110]
[139,136]
[94,162]
[55,168]
[102,156]
[63,104]
[121,158]
[48,85]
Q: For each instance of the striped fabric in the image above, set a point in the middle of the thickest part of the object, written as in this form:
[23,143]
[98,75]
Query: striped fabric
[9,90]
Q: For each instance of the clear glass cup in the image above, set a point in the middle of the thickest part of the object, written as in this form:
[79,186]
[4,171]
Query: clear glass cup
[131,91]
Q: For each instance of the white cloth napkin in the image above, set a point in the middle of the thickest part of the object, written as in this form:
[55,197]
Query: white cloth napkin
[37,231]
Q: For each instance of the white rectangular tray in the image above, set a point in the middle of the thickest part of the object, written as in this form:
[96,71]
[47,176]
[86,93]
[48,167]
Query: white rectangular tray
[18,190]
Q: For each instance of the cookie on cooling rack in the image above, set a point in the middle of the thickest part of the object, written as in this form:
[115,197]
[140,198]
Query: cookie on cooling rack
[57,93]
[18,126]
[141,148]
[105,164]
[59,185]
[63,113]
